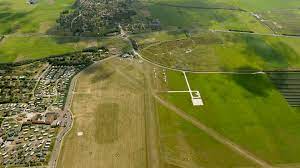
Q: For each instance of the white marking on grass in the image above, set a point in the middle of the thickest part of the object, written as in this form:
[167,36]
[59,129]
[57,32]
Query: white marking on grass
[180,91]
[79,133]
[196,100]
[195,94]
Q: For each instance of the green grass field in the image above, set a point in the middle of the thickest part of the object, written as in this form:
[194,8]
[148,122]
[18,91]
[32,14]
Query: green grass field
[283,21]
[252,5]
[21,48]
[13,49]
[227,52]
[193,18]
[248,110]
[218,14]
[184,145]
[258,5]
[18,16]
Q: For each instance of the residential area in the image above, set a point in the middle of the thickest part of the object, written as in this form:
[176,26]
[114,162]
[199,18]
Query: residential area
[33,108]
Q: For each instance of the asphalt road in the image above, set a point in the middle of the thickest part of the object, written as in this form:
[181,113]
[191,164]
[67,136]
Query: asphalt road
[66,119]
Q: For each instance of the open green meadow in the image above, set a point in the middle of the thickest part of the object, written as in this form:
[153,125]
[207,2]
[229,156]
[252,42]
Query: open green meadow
[19,16]
[248,110]
[228,15]
[226,52]
[258,5]
[153,38]
[249,5]
[283,21]
[193,18]
[15,49]
[184,145]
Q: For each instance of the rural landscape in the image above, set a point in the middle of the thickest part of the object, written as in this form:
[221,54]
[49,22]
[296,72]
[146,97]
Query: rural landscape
[150,83]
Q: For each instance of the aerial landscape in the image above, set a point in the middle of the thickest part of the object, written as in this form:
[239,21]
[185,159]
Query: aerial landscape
[150,83]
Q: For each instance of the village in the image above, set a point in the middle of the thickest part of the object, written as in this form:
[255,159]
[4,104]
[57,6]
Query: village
[103,18]
[32,107]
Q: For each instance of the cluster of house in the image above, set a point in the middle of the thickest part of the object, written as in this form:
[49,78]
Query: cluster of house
[29,129]
[11,109]
[25,144]
[53,86]
[15,88]
[101,17]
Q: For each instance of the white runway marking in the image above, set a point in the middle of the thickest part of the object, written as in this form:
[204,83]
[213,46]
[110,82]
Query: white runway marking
[196,99]
[183,91]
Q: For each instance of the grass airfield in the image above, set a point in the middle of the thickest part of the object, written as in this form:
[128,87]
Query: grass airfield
[108,108]
[113,99]
[184,145]
[247,109]
[215,51]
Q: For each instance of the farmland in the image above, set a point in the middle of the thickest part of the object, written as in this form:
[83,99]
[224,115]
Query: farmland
[19,16]
[257,5]
[28,23]
[250,5]
[36,47]
[288,85]
[33,48]
[283,21]
[194,19]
